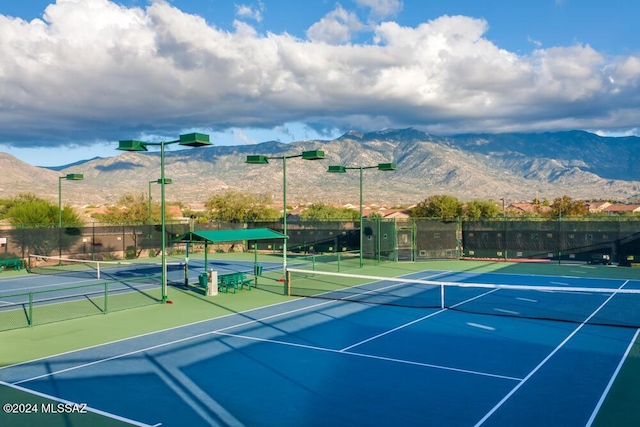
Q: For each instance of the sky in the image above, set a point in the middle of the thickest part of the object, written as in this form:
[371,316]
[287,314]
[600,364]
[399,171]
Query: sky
[77,76]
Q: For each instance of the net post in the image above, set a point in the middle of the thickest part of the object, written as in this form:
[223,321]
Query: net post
[442,306]
[186,273]
[98,269]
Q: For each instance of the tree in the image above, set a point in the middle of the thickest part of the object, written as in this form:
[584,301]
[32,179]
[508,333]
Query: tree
[566,206]
[477,209]
[132,209]
[5,204]
[445,207]
[324,212]
[41,217]
[233,206]
[28,209]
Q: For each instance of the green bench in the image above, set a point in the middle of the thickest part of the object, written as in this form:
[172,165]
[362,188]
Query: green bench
[233,281]
[11,263]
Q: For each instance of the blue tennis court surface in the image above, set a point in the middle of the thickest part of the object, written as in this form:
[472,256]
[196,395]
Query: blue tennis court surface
[313,362]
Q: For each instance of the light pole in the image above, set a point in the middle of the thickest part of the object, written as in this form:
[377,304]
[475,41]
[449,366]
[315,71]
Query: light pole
[559,230]
[155,181]
[263,160]
[68,177]
[344,169]
[188,140]
[504,228]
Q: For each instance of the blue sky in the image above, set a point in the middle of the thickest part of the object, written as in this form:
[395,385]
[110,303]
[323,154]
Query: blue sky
[79,75]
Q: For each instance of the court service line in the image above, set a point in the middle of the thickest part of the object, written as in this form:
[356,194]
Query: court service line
[613,377]
[369,356]
[543,362]
[123,289]
[154,347]
[68,402]
[173,328]
[26,290]
[415,321]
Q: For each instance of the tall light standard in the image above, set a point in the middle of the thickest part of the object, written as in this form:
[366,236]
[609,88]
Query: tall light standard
[504,228]
[188,140]
[155,181]
[263,160]
[68,177]
[559,230]
[344,169]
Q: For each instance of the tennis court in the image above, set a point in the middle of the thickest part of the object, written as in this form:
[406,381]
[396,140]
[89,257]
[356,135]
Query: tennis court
[77,288]
[317,362]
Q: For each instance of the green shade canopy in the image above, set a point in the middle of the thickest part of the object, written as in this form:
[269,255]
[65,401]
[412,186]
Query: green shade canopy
[219,236]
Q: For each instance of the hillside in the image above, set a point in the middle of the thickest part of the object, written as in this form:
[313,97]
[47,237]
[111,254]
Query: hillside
[517,167]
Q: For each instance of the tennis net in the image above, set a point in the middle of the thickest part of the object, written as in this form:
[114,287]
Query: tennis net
[104,270]
[616,306]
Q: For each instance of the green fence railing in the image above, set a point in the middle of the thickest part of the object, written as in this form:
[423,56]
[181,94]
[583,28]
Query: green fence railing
[27,309]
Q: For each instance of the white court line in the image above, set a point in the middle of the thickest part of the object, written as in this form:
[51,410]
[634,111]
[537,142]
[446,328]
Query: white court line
[218,331]
[542,363]
[26,290]
[183,326]
[613,377]
[164,330]
[369,356]
[167,343]
[88,408]
[100,292]
[414,321]
[215,319]
[191,337]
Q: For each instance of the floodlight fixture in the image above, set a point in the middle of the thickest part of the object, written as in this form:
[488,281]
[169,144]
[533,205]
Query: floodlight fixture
[187,140]
[342,169]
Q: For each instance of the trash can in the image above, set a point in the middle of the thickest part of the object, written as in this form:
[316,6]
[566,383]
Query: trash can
[257,270]
[203,280]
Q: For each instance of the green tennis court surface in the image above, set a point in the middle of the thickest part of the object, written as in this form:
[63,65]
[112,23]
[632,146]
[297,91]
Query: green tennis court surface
[325,362]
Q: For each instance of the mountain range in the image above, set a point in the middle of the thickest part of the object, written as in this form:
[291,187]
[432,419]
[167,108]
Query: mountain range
[513,166]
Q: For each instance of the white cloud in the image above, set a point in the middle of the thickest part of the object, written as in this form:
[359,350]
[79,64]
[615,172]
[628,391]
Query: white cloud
[93,70]
[335,27]
[617,134]
[537,43]
[250,12]
[381,9]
